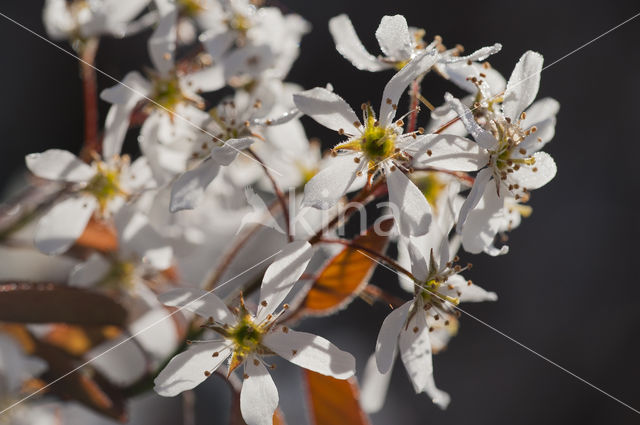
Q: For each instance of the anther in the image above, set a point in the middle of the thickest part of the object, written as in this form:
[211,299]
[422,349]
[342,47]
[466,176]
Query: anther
[256,362]
[415,330]
[429,152]
[207,373]
[263,303]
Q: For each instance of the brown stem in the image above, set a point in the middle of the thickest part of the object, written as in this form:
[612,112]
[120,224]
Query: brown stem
[382,257]
[279,194]
[232,253]
[461,175]
[90,98]
[413,118]
[366,195]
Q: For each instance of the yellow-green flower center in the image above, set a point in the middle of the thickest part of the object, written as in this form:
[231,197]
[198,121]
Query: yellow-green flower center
[239,23]
[246,336]
[377,143]
[105,185]
[191,8]
[120,276]
[431,186]
[167,92]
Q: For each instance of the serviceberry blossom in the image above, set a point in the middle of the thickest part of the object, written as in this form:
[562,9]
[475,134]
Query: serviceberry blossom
[438,287]
[375,145]
[399,44]
[78,20]
[229,193]
[96,190]
[515,164]
[246,339]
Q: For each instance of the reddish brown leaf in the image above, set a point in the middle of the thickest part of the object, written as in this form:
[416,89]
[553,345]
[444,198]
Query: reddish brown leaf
[333,401]
[85,385]
[100,236]
[50,303]
[77,340]
[346,274]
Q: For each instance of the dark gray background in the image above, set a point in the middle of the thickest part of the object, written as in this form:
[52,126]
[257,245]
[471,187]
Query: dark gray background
[568,289]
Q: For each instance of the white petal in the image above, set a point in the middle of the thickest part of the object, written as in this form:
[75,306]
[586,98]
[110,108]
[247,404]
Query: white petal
[162,43]
[540,111]
[57,164]
[484,222]
[373,390]
[259,395]
[482,178]
[415,350]
[523,84]
[471,293]
[479,55]
[438,397]
[206,80]
[200,302]
[311,352]
[116,126]
[90,272]
[399,82]
[281,275]
[410,207]
[484,138]
[419,264]
[493,83]
[541,114]
[394,38]
[451,152]
[137,235]
[545,170]
[217,43]
[188,189]
[387,343]
[186,370]
[59,228]
[331,183]
[225,154]
[328,109]
[132,89]
[350,46]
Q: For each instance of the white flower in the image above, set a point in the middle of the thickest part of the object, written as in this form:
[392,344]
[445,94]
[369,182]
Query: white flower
[438,288]
[246,338]
[378,144]
[173,105]
[399,44]
[100,188]
[511,139]
[141,251]
[77,20]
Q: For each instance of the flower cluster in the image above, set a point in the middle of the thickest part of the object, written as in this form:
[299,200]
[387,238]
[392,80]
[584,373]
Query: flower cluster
[176,233]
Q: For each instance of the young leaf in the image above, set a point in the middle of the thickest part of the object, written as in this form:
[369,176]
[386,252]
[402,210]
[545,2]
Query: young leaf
[24,302]
[89,388]
[333,401]
[346,274]
[100,236]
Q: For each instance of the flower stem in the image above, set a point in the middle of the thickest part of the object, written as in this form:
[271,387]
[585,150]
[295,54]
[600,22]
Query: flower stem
[382,257]
[90,98]
[278,192]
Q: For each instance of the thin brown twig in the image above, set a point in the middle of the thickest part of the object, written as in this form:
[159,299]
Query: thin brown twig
[90,98]
[382,257]
[233,252]
[279,194]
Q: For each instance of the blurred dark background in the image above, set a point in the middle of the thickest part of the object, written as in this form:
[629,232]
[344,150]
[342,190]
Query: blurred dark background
[569,287]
